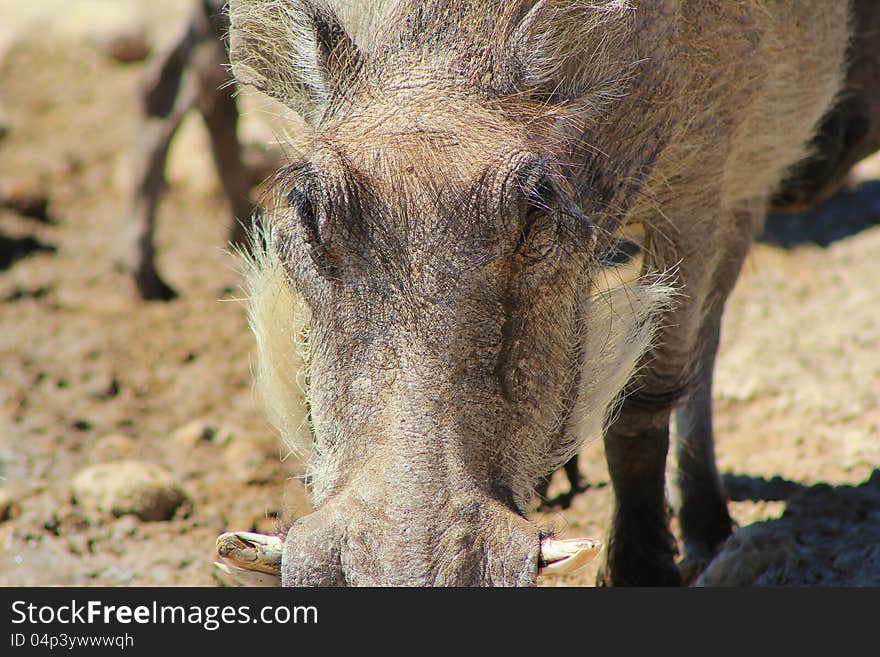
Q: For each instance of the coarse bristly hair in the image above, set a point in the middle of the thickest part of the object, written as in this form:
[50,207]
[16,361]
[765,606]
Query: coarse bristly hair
[617,326]
[313,55]
[279,320]
[620,325]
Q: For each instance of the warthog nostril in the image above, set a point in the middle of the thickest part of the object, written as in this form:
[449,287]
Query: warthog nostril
[312,554]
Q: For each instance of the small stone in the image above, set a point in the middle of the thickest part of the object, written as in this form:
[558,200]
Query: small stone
[198,432]
[126,48]
[252,461]
[121,35]
[128,487]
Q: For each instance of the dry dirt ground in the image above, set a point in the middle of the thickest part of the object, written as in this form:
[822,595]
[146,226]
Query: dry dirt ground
[89,374]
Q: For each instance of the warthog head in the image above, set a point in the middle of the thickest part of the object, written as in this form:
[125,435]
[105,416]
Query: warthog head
[422,294]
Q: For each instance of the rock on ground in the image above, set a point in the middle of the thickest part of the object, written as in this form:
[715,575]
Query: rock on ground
[128,487]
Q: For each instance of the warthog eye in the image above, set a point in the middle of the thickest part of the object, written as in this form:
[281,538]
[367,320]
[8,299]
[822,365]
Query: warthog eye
[539,227]
[305,213]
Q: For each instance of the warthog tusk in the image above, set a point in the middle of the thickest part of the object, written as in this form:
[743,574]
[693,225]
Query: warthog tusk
[251,559]
[564,556]
[249,577]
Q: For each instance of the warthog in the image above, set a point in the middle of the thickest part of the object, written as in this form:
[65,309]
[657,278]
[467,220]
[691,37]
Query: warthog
[430,302]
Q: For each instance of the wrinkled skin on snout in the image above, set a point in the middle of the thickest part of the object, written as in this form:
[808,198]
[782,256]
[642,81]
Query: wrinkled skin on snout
[442,273]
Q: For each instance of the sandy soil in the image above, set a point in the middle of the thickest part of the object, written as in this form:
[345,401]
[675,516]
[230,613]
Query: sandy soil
[89,374]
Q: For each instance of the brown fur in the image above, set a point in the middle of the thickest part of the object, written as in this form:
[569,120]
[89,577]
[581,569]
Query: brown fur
[851,130]
[466,164]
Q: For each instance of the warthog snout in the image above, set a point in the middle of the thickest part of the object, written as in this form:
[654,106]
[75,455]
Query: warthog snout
[357,541]
[313,556]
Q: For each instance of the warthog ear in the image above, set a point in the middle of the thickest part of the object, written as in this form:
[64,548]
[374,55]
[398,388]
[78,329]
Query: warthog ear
[564,49]
[293,50]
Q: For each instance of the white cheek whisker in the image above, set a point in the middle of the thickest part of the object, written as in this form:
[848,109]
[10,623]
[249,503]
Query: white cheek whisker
[620,324]
[279,320]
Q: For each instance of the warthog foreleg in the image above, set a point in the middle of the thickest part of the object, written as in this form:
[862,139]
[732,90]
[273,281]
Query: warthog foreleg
[641,550]
[217,104]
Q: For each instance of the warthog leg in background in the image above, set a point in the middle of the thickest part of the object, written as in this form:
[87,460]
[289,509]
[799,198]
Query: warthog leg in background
[576,484]
[188,74]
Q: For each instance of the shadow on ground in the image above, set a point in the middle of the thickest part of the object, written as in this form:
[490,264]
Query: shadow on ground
[849,212]
[743,488]
[16,248]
